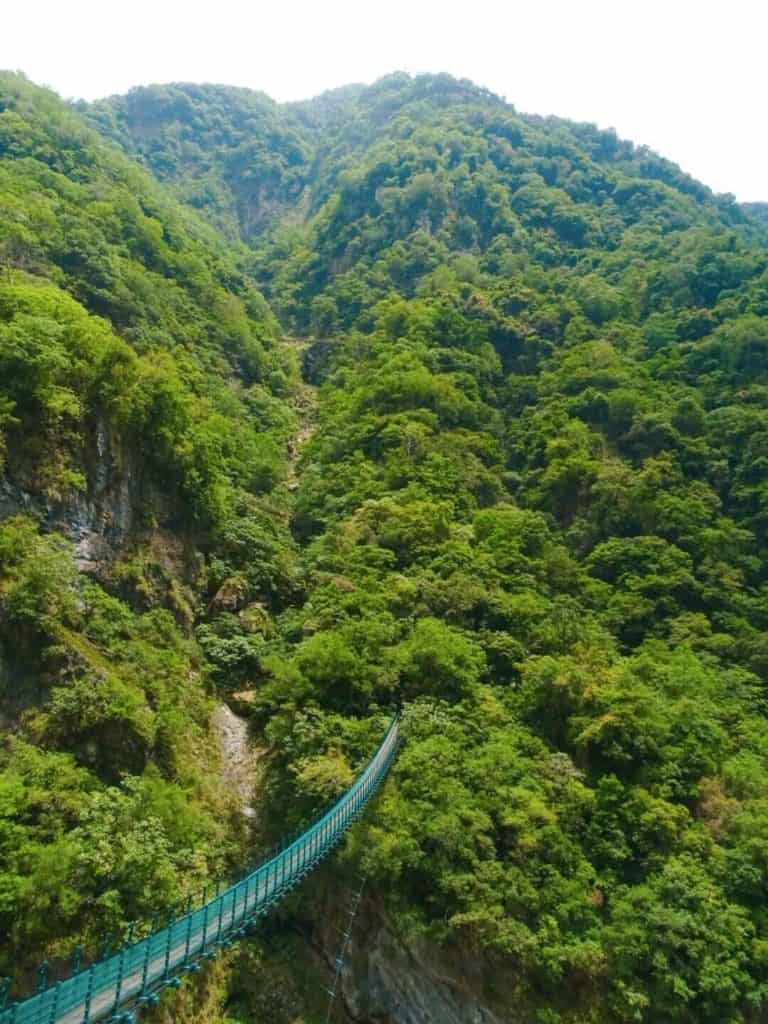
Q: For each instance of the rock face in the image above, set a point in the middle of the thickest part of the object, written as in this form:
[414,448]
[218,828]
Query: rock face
[118,496]
[389,984]
[239,757]
[386,982]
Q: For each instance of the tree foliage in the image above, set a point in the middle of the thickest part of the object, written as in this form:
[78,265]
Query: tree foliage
[533,515]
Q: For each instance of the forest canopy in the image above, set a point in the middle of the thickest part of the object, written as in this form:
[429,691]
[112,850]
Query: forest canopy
[531,511]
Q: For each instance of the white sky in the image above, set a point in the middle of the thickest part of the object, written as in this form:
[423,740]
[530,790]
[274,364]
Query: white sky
[687,77]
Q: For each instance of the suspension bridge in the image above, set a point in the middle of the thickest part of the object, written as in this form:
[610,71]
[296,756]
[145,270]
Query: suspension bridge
[115,988]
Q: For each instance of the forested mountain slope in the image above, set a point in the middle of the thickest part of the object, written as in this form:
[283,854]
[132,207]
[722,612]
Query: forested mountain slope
[535,497]
[231,153]
[533,512]
[142,436]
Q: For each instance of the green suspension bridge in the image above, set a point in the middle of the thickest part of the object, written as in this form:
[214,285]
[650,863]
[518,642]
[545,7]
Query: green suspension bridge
[116,987]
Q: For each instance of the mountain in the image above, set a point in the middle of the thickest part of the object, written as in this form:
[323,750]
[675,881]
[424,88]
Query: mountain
[521,492]
[143,427]
[231,154]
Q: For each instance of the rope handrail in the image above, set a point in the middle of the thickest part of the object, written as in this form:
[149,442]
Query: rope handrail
[132,976]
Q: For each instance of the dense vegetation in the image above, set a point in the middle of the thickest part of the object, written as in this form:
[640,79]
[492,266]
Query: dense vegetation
[127,334]
[534,514]
[232,154]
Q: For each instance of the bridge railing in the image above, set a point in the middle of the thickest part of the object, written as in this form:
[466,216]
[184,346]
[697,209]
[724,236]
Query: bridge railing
[133,975]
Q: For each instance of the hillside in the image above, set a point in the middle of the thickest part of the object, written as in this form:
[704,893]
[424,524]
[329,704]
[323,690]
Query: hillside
[530,507]
[143,436]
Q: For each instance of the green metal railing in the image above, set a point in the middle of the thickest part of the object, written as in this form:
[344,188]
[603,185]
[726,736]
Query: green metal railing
[114,987]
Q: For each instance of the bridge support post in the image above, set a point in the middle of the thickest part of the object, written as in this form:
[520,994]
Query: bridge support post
[42,976]
[205,928]
[54,1003]
[119,983]
[77,959]
[234,909]
[145,965]
[88,995]
[187,940]
[168,945]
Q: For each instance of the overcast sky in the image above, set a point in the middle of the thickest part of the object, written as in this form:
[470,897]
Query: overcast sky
[687,77]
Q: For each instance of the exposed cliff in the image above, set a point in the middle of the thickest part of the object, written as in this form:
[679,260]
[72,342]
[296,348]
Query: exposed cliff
[391,980]
[119,498]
